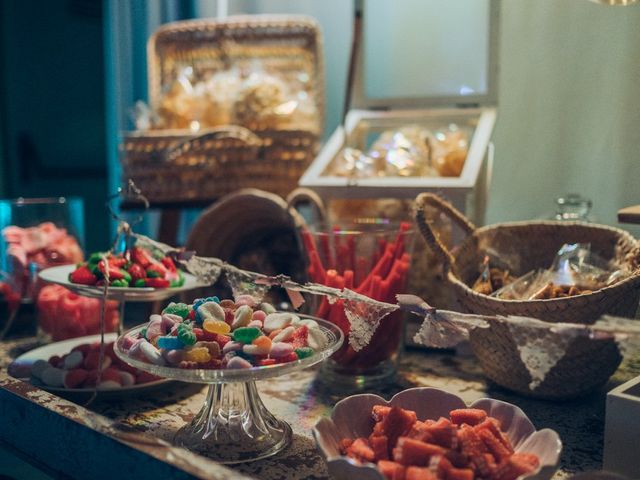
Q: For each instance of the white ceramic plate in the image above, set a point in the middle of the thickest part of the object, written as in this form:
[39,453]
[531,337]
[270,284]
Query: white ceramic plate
[63,347]
[351,418]
[60,276]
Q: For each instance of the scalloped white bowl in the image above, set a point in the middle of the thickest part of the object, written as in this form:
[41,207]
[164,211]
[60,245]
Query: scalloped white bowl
[351,418]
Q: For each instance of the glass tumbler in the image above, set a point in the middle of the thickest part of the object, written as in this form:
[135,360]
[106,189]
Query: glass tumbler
[38,233]
[371,257]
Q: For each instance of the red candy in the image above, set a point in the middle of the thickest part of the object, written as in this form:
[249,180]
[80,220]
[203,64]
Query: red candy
[137,272]
[141,256]
[156,283]
[299,338]
[76,377]
[63,314]
[83,276]
[467,447]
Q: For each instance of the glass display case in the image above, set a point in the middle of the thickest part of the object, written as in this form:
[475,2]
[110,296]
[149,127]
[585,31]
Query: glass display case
[431,91]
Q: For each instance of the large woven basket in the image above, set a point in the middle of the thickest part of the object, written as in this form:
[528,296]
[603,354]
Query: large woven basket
[178,165]
[587,363]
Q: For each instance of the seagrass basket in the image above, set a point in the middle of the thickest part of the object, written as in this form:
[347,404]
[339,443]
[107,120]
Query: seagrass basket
[587,363]
[180,165]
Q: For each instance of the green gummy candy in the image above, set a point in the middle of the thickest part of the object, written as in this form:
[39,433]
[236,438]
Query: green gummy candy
[121,282]
[246,334]
[95,257]
[139,283]
[304,352]
[185,333]
[180,309]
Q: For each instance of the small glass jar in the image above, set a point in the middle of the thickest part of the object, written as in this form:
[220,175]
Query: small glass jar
[38,233]
[371,257]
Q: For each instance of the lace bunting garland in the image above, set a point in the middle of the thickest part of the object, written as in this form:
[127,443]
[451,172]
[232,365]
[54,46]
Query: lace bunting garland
[364,313]
[541,345]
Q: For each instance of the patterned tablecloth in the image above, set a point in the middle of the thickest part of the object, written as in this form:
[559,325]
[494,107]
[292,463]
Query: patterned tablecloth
[301,400]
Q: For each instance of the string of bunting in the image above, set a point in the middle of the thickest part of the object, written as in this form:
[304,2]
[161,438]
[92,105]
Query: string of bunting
[363,313]
[541,344]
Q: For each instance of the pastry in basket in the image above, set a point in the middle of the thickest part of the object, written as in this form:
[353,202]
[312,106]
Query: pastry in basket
[139,267]
[258,100]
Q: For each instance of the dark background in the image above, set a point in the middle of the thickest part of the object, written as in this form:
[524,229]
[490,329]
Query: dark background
[52,107]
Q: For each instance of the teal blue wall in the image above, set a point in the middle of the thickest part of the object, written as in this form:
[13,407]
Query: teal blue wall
[53,105]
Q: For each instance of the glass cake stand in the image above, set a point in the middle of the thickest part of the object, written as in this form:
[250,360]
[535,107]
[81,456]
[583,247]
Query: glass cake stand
[60,276]
[233,425]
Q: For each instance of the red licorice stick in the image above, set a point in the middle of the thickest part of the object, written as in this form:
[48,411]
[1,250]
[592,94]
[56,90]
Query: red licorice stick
[326,309]
[381,269]
[326,250]
[361,271]
[307,240]
[395,285]
[404,227]
[320,273]
[382,248]
[375,288]
[384,290]
[311,271]
[348,279]
[323,309]
[339,318]
[351,243]
[342,257]
[331,278]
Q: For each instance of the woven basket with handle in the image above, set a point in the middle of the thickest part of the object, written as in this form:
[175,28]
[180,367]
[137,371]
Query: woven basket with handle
[587,363]
[179,165]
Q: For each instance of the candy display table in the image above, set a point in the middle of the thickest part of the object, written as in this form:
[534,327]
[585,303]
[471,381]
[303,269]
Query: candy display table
[132,435]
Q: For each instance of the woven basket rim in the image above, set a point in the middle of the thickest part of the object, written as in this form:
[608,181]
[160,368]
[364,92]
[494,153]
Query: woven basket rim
[253,20]
[185,132]
[633,278]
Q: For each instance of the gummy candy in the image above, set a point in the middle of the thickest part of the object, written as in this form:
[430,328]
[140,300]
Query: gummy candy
[198,354]
[170,343]
[185,333]
[181,309]
[246,334]
[216,326]
[304,352]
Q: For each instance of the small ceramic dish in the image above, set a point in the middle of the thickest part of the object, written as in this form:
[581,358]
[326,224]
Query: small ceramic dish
[351,418]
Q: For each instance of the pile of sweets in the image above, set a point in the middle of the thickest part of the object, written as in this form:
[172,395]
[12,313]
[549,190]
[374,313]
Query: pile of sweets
[140,268]
[80,369]
[45,245]
[468,446]
[216,334]
[64,314]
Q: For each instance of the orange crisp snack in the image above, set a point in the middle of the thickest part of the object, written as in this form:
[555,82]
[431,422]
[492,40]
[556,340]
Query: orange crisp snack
[469,445]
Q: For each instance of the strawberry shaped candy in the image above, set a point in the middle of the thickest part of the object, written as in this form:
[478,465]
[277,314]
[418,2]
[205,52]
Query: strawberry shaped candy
[138,268]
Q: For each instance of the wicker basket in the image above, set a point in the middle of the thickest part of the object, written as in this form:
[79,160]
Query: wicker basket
[177,165]
[587,363]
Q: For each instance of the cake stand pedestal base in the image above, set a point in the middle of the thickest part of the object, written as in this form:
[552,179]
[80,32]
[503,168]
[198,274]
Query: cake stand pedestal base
[234,426]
